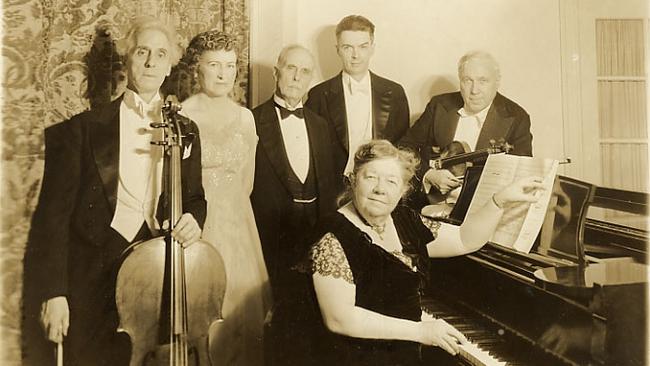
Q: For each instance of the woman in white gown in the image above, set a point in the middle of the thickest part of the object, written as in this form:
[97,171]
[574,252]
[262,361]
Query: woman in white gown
[228,140]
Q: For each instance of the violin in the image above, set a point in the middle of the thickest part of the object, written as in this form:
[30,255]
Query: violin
[457,157]
[167,295]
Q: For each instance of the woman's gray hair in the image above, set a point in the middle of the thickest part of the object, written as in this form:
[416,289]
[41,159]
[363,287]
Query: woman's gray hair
[376,150]
[141,24]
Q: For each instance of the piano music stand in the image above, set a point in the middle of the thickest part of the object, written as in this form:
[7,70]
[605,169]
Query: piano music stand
[562,233]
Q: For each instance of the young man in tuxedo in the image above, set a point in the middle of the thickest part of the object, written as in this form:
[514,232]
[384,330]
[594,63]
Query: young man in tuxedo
[358,104]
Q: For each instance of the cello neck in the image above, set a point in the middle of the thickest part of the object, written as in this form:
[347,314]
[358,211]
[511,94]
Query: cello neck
[174,186]
[178,330]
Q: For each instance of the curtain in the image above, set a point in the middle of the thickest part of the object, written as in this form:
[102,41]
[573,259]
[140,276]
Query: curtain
[59,59]
[622,109]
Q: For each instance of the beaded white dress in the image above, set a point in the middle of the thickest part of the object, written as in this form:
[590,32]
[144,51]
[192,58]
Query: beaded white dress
[228,161]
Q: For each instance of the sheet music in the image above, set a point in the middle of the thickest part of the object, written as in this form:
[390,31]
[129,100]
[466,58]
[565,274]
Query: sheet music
[520,223]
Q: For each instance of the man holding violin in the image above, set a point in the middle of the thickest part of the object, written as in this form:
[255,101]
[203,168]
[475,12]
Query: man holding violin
[102,192]
[474,116]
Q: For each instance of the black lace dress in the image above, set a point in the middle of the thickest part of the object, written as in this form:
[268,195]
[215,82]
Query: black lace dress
[387,283]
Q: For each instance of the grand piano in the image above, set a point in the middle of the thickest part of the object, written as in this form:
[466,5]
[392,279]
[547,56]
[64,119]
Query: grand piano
[578,297]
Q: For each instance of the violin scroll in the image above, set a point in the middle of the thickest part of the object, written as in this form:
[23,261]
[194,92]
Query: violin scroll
[501,146]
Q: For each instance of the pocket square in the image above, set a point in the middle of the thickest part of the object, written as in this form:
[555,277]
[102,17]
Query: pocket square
[187,151]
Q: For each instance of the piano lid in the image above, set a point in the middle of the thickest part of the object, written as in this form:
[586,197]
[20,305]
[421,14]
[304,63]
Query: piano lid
[580,280]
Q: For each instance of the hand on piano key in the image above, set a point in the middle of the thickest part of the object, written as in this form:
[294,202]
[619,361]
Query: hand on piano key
[438,332]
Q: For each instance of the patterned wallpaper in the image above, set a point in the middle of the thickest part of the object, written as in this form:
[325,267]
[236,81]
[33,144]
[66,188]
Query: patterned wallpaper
[58,60]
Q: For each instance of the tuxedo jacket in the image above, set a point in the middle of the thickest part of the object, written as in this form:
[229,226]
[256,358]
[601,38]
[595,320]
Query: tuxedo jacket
[70,232]
[436,127]
[390,111]
[284,246]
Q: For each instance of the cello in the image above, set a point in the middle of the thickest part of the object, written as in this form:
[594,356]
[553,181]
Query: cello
[168,295]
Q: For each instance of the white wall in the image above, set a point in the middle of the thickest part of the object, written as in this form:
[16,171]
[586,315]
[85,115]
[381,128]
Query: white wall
[418,43]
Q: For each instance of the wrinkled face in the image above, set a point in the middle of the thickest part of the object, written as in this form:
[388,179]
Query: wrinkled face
[148,63]
[217,71]
[378,187]
[478,84]
[294,76]
[355,48]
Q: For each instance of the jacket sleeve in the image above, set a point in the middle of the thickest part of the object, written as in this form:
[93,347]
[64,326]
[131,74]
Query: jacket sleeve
[46,255]
[402,114]
[192,180]
[420,137]
[314,101]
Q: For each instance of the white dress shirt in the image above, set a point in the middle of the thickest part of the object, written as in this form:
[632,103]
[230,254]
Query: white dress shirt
[358,110]
[468,130]
[469,126]
[296,140]
[140,165]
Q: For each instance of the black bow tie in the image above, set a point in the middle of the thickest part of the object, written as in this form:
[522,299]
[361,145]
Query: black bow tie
[284,112]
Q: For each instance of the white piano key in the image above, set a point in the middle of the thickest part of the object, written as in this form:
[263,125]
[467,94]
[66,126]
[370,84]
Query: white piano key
[477,356]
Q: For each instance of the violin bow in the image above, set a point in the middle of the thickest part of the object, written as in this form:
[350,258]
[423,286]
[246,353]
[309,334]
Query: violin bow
[59,354]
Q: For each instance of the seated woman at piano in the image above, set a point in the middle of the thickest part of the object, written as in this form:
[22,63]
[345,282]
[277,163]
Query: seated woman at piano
[370,267]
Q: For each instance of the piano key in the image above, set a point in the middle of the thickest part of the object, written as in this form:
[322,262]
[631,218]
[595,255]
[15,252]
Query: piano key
[477,356]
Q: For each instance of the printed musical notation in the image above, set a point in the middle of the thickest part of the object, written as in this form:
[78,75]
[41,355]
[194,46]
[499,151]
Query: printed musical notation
[520,223]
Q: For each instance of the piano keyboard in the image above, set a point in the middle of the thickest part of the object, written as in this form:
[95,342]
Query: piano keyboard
[470,352]
[488,346]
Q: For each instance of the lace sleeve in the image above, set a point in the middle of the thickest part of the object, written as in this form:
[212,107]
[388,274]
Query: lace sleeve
[328,259]
[431,224]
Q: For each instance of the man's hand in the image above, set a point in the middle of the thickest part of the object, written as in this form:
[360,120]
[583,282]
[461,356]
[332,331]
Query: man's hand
[187,230]
[55,318]
[442,180]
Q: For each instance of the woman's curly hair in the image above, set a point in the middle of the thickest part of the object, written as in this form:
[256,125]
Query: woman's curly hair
[382,149]
[182,81]
[212,40]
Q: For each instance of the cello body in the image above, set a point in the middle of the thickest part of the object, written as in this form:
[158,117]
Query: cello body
[143,311]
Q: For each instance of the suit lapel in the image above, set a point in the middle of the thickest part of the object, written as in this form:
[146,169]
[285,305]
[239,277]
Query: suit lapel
[381,102]
[497,122]
[318,148]
[336,105]
[271,139]
[105,143]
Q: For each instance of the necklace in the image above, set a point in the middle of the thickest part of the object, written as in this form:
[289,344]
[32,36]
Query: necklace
[379,229]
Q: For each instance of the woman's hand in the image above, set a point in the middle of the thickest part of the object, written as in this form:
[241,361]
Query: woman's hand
[523,190]
[55,318]
[439,333]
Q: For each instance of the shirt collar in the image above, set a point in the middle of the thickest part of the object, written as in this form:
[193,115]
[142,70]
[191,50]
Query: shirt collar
[134,102]
[353,85]
[480,116]
[283,103]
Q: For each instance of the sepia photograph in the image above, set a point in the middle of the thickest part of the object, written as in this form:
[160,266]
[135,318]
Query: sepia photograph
[310,182]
